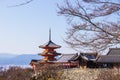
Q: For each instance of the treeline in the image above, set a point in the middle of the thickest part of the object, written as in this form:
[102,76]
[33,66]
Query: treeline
[16,73]
[51,73]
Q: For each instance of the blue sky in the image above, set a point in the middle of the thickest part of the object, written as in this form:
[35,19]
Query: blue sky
[24,28]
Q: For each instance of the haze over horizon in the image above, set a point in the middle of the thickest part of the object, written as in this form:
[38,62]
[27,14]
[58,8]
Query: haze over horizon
[24,28]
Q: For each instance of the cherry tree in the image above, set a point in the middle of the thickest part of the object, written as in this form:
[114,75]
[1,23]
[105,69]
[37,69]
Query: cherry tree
[95,24]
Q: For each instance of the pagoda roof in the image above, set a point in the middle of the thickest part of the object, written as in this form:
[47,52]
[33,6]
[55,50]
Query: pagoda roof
[49,53]
[49,44]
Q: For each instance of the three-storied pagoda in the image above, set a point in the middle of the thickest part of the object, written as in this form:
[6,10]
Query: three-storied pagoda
[49,52]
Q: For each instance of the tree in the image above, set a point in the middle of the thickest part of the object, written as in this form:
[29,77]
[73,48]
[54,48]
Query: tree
[16,73]
[22,3]
[95,24]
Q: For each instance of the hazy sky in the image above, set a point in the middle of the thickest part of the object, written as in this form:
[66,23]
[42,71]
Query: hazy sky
[24,28]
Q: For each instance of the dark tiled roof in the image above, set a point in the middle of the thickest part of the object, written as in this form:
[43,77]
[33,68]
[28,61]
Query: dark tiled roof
[109,59]
[94,53]
[114,51]
[33,61]
[113,56]
[50,44]
[67,57]
[49,53]
[88,56]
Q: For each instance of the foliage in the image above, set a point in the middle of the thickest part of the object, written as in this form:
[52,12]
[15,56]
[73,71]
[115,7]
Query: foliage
[16,73]
[109,74]
[53,73]
[95,23]
[92,74]
[46,72]
[49,72]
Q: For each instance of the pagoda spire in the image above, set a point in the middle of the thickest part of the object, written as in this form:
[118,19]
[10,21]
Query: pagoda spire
[49,52]
[50,34]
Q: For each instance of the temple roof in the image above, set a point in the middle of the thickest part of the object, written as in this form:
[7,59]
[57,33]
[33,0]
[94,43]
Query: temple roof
[114,51]
[109,59]
[113,56]
[67,57]
[89,56]
[50,44]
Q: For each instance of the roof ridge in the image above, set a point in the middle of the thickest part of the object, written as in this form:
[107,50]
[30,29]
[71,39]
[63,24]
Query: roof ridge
[114,48]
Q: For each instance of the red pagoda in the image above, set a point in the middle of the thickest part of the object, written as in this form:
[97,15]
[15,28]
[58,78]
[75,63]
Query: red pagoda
[49,52]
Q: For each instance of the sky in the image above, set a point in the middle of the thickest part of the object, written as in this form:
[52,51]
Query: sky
[24,28]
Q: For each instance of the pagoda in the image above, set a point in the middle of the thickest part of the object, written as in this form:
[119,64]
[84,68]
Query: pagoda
[49,52]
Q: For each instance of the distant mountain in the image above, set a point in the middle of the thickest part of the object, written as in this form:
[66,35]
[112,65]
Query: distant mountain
[11,59]
[6,55]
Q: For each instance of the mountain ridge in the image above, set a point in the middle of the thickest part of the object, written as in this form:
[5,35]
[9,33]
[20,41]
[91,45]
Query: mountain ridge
[13,59]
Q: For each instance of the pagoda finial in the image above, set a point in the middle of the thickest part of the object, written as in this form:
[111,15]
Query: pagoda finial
[50,34]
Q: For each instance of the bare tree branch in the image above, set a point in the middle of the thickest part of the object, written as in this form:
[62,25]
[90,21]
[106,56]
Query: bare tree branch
[21,4]
[88,32]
